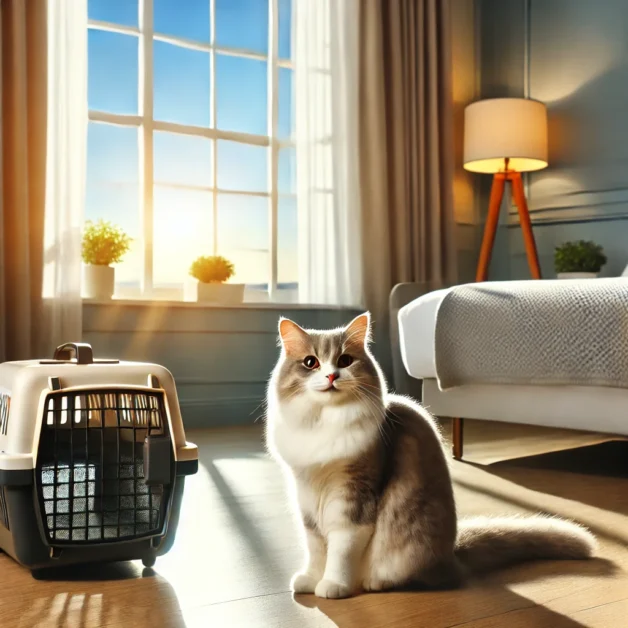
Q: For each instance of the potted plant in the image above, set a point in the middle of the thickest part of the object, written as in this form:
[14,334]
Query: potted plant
[580,259]
[103,244]
[212,273]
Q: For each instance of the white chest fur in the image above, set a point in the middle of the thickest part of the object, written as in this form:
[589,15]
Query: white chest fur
[303,435]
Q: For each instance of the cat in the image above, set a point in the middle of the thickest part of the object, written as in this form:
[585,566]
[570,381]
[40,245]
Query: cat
[372,480]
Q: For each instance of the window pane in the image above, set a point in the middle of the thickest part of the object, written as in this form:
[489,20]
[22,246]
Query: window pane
[243,237]
[112,72]
[287,244]
[287,171]
[114,202]
[242,24]
[112,153]
[285,126]
[285,29]
[119,204]
[181,84]
[182,159]
[112,191]
[242,167]
[183,230]
[191,22]
[241,100]
[123,12]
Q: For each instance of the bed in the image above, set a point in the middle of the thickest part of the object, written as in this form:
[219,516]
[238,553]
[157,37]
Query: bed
[451,367]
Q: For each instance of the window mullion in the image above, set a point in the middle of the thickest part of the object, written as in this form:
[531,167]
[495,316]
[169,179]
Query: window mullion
[273,150]
[213,121]
[146,142]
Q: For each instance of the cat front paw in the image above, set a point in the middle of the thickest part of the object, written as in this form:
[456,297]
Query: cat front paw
[303,582]
[332,590]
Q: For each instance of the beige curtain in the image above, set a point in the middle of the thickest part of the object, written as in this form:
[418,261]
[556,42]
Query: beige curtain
[406,147]
[23,155]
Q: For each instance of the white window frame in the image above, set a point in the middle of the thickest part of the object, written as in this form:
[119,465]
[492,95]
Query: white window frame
[147,125]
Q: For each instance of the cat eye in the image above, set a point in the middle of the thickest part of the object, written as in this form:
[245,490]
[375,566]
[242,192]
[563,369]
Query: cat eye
[344,361]
[310,362]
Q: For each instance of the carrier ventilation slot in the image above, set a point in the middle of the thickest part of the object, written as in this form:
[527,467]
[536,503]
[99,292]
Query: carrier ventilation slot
[90,470]
[4,512]
[5,404]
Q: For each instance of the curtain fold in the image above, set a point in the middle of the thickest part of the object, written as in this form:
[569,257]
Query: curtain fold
[374,118]
[328,183]
[66,169]
[23,154]
[44,53]
[406,147]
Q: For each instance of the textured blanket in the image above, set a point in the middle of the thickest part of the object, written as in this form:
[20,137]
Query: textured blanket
[547,332]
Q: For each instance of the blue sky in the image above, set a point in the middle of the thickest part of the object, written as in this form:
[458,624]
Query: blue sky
[183,218]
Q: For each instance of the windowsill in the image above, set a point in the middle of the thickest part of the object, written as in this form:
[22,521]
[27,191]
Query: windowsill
[247,305]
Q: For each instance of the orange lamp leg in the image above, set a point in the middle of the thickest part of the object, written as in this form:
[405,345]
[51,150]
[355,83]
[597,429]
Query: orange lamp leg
[526,225]
[492,218]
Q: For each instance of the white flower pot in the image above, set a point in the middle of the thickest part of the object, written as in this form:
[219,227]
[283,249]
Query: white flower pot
[576,275]
[98,282]
[222,293]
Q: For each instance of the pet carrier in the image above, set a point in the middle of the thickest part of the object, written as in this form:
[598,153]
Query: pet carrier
[93,459]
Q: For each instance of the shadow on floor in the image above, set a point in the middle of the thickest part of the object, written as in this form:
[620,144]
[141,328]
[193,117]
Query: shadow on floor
[608,459]
[103,595]
[472,606]
[596,474]
[93,572]
[543,570]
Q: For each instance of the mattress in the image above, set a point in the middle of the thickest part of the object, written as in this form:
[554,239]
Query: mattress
[417,333]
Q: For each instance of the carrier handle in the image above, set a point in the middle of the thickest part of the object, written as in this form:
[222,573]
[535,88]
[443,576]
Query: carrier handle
[82,352]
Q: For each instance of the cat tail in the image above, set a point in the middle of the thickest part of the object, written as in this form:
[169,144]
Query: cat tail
[488,543]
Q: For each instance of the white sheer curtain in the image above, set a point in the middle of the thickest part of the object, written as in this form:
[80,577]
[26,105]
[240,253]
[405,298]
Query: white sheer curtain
[326,114]
[65,168]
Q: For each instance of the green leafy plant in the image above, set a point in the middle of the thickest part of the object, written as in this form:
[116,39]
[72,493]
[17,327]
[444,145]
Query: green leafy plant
[212,269]
[582,256]
[104,243]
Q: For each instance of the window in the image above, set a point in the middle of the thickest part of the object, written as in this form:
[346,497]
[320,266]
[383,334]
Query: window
[190,140]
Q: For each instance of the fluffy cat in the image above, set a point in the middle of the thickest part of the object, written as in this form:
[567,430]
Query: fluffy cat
[372,480]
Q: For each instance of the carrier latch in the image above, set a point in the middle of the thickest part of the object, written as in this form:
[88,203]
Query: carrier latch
[157,457]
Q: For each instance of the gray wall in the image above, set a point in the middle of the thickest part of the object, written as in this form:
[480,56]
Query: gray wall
[220,357]
[572,55]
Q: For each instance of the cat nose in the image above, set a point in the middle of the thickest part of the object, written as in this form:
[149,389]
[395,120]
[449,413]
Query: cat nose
[332,377]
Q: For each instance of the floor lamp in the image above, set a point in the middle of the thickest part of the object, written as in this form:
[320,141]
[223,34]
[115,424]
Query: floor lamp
[505,137]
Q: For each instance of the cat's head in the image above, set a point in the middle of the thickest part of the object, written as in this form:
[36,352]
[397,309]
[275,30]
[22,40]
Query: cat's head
[330,367]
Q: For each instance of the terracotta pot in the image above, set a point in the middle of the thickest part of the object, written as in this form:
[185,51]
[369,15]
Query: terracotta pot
[98,282]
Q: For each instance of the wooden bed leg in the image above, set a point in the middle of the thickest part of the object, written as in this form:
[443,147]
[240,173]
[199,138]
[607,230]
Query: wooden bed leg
[457,438]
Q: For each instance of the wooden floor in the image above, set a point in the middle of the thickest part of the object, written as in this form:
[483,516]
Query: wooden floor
[237,548]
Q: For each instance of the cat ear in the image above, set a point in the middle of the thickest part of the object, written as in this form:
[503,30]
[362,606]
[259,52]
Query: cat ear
[358,331]
[293,338]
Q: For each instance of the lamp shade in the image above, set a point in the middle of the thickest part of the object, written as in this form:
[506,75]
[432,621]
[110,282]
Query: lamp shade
[505,128]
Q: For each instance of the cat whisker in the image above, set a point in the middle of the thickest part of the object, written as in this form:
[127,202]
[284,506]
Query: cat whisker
[378,413]
[389,413]
[376,410]
[264,404]
[365,383]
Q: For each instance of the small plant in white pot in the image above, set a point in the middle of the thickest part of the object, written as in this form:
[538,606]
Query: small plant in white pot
[212,273]
[104,244]
[578,260]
